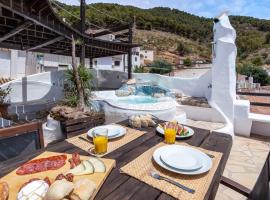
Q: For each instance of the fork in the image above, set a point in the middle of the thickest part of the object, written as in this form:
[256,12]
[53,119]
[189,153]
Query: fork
[159,177]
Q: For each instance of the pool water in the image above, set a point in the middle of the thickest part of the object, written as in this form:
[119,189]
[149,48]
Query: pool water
[137,100]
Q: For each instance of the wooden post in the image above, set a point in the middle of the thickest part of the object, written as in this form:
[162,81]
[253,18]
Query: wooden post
[130,40]
[91,62]
[82,15]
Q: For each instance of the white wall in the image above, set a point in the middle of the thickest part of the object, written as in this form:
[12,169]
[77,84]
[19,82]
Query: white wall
[104,63]
[197,87]
[16,64]
[5,63]
[146,55]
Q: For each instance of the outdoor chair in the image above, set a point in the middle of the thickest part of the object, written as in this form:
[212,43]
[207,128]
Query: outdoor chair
[20,140]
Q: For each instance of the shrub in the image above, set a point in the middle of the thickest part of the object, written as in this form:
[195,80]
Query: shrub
[187,62]
[156,70]
[259,74]
[160,67]
[3,94]
[267,61]
[139,69]
[257,61]
[183,49]
[70,89]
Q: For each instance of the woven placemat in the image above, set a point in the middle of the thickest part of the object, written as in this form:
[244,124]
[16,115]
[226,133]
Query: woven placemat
[88,146]
[140,169]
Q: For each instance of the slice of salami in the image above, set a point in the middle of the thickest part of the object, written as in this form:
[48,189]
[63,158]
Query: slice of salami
[42,164]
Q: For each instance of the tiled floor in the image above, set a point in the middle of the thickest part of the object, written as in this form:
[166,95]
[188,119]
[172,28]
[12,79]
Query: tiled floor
[225,193]
[245,162]
[205,125]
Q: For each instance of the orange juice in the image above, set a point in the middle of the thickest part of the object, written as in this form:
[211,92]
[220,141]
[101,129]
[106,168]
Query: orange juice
[170,135]
[101,143]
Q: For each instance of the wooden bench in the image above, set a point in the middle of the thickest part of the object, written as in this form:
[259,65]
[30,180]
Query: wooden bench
[20,140]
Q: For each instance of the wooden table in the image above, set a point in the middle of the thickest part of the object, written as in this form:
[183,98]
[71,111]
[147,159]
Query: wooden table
[120,186]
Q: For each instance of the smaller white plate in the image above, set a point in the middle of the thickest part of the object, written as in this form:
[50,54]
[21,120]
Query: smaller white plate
[206,160]
[190,132]
[186,159]
[114,131]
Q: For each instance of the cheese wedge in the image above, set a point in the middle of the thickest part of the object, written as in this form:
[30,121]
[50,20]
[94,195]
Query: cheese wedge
[78,169]
[98,165]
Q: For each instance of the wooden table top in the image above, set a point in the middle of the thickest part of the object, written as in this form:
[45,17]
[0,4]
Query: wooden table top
[121,186]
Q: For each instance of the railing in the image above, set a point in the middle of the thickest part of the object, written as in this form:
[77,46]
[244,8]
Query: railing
[256,94]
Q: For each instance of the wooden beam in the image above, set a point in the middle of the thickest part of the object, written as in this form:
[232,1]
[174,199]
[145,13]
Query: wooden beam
[45,43]
[16,30]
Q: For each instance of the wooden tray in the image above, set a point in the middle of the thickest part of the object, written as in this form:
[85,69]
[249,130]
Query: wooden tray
[16,181]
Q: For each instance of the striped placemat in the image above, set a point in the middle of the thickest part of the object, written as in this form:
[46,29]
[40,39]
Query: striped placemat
[88,145]
[140,169]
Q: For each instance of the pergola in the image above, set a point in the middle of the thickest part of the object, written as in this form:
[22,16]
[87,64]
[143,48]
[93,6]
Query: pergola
[33,25]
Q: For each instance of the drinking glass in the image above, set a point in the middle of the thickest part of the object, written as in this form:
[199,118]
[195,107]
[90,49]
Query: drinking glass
[100,139]
[170,135]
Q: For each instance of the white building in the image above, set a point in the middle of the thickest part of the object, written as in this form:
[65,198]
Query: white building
[16,64]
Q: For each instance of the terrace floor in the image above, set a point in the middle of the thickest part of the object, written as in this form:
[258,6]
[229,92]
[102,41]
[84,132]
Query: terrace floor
[246,160]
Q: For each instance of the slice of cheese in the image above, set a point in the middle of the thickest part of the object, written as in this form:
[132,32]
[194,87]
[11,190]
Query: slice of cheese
[98,164]
[78,169]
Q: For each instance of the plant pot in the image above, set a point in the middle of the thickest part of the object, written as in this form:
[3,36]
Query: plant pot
[4,110]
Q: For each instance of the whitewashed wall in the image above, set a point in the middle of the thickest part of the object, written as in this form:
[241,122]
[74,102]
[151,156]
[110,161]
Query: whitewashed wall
[197,87]
[5,64]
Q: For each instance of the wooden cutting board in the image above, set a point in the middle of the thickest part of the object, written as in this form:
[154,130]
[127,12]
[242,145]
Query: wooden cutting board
[16,181]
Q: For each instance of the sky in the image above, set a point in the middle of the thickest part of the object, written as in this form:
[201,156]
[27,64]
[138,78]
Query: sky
[206,8]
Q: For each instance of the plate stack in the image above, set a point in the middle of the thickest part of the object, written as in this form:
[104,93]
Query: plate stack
[114,131]
[182,159]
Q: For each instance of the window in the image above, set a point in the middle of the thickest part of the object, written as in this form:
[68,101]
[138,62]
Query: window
[136,59]
[145,57]
[145,51]
[117,63]
[95,63]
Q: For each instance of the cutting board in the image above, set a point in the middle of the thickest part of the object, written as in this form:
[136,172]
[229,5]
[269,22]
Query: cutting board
[16,181]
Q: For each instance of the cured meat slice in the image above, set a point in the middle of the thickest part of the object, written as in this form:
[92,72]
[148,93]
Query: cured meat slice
[42,164]
[75,160]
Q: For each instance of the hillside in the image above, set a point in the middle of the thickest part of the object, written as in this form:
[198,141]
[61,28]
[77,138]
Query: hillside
[166,45]
[164,28]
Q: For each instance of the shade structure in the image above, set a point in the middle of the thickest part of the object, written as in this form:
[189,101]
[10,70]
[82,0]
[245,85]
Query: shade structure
[33,25]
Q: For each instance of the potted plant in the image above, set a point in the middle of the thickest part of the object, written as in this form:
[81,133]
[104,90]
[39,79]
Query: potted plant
[4,104]
[75,112]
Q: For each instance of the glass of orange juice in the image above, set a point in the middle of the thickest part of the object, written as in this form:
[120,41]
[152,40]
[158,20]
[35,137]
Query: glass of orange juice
[170,135]
[100,139]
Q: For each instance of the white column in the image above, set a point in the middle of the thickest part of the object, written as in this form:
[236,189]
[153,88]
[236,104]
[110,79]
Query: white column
[223,71]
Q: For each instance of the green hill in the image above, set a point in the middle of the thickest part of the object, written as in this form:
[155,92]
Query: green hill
[192,33]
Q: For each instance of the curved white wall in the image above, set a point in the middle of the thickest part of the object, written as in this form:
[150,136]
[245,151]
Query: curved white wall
[46,86]
[196,87]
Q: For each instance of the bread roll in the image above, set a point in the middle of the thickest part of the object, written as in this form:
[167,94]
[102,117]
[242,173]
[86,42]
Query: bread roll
[4,191]
[144,121]
[59,190]
[83,189]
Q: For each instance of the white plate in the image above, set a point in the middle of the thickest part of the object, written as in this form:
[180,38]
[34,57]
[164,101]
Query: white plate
[114,131]
[181,158]
[190,132]
[206,160]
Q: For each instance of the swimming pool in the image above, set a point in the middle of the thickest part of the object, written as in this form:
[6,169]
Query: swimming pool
[120,108]
[137,100]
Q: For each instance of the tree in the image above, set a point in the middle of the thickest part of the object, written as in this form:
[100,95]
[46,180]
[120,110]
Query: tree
[267,38]
[259,74]
[257,61]
[183,49]
[76,76]
[187,62]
